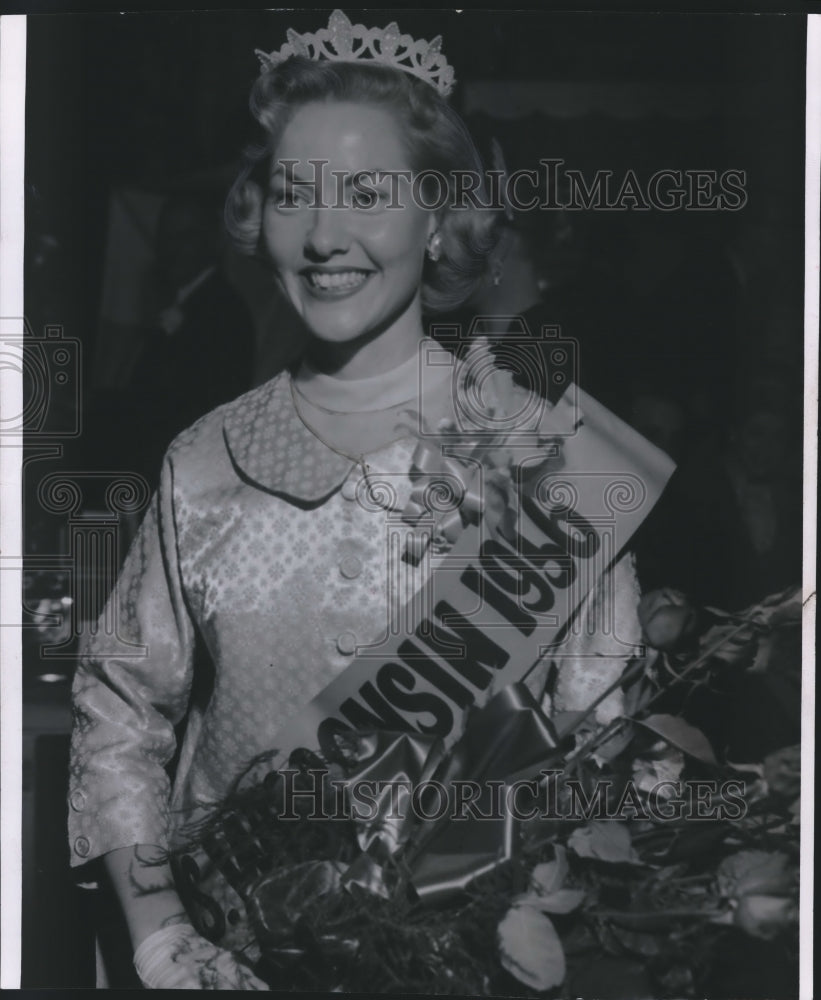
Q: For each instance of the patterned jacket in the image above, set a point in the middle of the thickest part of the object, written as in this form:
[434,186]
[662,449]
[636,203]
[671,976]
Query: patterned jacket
[255,574]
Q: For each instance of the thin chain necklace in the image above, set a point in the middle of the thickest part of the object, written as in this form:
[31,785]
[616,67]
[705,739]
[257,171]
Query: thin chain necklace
[357,459]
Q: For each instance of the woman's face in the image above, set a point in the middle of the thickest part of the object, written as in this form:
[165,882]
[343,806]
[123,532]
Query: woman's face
[350,271]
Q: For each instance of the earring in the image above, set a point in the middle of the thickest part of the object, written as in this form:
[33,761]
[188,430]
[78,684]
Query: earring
[496,275]
[434,249]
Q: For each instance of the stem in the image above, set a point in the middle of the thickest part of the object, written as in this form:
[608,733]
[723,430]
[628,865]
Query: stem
[614,726]
[754,831]
[703,658]
[609,730]
[655,914]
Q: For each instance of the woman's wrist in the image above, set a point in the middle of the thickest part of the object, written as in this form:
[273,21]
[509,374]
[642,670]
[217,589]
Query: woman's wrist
[153,913]
[145,890]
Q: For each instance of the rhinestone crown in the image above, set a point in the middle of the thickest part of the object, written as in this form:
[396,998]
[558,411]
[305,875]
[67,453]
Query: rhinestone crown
[342,41]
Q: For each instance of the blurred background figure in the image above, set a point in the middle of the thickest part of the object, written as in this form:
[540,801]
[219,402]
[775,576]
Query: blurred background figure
[764,475]
[200,350]
[541,273]
[652,304]
[651,300]
[660,418]
[196,342]
[729,528]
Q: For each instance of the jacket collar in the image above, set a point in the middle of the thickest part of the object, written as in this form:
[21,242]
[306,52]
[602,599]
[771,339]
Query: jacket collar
[271,446]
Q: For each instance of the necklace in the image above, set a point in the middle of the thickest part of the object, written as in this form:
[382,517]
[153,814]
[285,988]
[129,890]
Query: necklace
[357,459]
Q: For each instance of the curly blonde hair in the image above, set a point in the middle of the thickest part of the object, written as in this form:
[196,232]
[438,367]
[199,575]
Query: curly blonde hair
[435,137]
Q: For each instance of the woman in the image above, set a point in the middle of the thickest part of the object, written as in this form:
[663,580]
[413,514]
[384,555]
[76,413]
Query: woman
[257,575]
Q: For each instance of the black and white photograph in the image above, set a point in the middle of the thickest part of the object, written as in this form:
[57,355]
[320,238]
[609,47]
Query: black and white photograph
[408,451]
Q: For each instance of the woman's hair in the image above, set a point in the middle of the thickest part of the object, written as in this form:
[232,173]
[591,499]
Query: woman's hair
[436,139]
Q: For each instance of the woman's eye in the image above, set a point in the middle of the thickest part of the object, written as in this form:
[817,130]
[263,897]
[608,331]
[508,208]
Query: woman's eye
[288,199]
[364,199]
[371,197]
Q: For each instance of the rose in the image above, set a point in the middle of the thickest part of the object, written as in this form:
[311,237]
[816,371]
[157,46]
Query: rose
[749,873]
[762,886]
[659,769]
[667,618]
[782,771]
[765,916]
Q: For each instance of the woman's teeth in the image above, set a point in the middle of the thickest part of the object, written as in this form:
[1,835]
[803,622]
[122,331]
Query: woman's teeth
[342,280]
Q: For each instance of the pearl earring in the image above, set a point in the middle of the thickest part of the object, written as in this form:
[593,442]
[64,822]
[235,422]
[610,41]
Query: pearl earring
[434,250]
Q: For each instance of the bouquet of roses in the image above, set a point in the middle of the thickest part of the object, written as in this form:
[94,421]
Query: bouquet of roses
[539,852]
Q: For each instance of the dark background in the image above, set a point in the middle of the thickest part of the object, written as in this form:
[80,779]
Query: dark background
[704,308]
[158,104]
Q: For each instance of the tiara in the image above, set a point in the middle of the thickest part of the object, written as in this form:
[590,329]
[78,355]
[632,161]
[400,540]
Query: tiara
[342,41]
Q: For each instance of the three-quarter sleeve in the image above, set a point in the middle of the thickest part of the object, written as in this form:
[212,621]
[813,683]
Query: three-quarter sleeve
[131,688]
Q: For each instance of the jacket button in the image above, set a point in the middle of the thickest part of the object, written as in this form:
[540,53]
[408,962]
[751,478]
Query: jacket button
[346,643]
[349,489]
[77,801]
[350,567]
[82,847]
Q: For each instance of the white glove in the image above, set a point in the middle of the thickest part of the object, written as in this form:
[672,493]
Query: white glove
[178,958]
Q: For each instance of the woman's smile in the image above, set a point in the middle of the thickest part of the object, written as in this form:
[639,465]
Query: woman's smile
[335,282]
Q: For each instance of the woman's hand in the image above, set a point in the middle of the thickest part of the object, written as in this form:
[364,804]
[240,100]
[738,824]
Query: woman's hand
[178,958]
[169,953]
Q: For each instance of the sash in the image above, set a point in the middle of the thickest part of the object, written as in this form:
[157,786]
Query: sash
[505,595]
[495,606]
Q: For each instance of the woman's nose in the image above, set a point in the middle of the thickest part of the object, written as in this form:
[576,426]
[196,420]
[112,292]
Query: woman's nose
[328,233]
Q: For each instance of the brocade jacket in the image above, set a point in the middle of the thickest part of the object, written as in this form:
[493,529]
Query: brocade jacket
[254,576]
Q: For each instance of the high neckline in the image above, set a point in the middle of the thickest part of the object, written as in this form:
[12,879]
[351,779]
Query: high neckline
[399,385]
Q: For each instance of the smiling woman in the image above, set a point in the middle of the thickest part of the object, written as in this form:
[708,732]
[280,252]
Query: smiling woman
[297,529]
[409,122]
[350,194]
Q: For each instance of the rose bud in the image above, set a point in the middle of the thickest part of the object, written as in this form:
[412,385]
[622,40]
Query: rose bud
[750,873]
[667,618]
[765,916]
[782,771]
